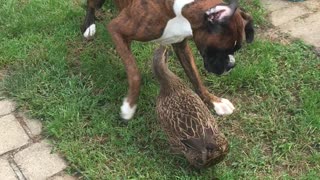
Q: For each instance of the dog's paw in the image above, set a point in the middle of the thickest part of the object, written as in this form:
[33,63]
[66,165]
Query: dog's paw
[90,31]
[224,107]
[127,112]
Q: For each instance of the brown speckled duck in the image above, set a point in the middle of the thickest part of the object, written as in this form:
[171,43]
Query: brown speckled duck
[188,123]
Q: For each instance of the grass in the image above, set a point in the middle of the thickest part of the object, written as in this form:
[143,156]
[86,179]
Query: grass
[76,88]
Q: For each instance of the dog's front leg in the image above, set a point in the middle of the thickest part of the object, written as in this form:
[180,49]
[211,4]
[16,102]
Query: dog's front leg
[221,106]
[129,105]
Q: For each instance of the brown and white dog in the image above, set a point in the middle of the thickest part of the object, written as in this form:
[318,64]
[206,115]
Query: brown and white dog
[217,29]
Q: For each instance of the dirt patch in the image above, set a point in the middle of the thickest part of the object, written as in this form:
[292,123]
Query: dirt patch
[3,73]
[273,34]
[317,51]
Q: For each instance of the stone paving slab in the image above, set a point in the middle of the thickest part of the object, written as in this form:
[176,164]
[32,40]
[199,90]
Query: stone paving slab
[12,135]
[32,126]
[35,126]
[6,173]
[37,162]
[275,5]
[307,29]
[298,19]
[21,155]
[282,16]
[6,107]
[313,5]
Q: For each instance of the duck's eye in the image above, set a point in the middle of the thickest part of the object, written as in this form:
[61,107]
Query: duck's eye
[210,147]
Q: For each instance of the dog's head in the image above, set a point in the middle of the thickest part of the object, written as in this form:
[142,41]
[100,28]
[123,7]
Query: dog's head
[221,34]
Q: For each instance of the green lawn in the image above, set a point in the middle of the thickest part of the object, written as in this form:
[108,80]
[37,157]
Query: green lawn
[76,88]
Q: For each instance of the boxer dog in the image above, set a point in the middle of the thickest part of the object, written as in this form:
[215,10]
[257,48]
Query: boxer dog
[217,29]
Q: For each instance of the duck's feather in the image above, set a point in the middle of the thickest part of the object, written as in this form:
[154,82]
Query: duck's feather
[185,115]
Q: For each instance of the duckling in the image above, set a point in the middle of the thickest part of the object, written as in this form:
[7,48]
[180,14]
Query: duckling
[188,123]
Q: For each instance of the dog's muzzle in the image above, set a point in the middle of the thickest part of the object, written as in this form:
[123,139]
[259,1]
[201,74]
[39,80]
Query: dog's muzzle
[220,66]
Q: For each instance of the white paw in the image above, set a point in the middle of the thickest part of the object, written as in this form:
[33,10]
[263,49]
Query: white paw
[127,112]
[225,107]
[90,31]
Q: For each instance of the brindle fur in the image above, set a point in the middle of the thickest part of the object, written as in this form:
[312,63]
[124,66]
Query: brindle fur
[188,123]
[145,20]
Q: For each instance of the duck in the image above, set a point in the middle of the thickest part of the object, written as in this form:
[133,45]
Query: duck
[188,123]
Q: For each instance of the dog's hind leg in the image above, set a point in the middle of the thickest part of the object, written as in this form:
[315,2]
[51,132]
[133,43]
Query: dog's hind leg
[88,27]
[129,105]
[221,106]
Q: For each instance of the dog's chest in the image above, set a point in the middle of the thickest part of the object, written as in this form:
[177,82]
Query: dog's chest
[178,28]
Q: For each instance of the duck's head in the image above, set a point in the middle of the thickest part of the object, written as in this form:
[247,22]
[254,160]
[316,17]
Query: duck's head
[204,154]
[207,157]
[160,59]
[161,55]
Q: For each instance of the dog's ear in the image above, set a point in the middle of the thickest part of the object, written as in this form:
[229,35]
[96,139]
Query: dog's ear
[248,26]
[221,13]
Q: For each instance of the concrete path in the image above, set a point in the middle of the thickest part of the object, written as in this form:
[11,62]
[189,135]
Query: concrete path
[298,19]
[24,154]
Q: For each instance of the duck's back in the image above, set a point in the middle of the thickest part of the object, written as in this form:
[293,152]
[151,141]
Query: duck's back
[182,113]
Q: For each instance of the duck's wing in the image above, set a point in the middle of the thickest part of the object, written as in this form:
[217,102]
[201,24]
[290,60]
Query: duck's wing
[198,144]
[185,115]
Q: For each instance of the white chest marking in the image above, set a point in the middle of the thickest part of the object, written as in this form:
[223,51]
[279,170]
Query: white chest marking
[178,28]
